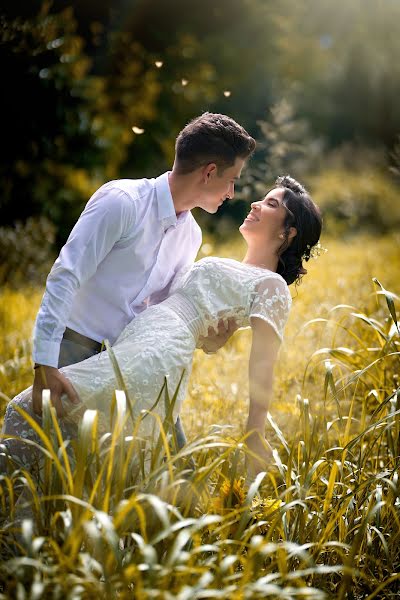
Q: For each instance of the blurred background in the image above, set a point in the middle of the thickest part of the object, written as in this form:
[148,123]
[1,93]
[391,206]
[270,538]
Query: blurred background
[94,91]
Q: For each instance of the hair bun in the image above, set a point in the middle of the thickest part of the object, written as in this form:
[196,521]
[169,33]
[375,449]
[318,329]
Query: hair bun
[290,266]
[305,217]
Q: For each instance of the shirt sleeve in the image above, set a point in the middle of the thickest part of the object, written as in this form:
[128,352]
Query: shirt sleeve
[271,303]
[106,220]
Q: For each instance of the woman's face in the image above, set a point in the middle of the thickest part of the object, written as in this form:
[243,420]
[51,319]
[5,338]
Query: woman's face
[267,217]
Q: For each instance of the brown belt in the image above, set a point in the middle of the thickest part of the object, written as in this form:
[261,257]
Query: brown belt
[82,340]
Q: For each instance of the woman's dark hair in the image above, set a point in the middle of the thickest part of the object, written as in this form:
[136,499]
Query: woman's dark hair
[211,138]
[305,216]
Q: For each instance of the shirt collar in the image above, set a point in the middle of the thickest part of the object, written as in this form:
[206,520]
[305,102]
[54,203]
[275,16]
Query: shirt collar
[165,203]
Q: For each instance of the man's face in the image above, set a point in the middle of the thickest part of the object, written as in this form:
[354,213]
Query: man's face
[217,186]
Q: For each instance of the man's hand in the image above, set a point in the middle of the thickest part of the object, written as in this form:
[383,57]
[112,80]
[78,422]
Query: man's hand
[215,340]
[262,455]
[50,378]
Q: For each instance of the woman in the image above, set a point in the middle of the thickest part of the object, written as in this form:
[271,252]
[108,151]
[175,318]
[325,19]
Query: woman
[280,232]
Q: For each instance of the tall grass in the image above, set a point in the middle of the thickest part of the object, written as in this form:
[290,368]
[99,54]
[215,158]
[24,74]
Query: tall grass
[118,517]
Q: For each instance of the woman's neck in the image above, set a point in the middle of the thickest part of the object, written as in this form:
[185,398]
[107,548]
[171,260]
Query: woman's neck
[261,259]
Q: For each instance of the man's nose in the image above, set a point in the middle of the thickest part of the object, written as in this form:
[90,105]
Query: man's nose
[231,191]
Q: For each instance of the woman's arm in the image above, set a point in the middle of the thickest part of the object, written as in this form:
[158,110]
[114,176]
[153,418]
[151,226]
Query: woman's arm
[263,355]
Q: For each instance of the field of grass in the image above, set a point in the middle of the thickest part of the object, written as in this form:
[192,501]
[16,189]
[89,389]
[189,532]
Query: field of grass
[323,522]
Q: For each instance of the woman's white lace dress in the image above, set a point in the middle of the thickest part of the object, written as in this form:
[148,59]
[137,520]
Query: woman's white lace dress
[160,342]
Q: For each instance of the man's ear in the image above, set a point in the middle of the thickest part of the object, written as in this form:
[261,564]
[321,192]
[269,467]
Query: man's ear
[209,171]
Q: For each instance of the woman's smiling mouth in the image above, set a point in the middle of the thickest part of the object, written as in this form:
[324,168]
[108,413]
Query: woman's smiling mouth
[251,217]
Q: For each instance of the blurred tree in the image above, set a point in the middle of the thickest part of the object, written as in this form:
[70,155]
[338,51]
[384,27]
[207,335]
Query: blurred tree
[77,86]
[211,56]
[48,135]
[26,252]
[286,147]
[395,158]
[174,93]
[355,200]
[339,64]
[63,134]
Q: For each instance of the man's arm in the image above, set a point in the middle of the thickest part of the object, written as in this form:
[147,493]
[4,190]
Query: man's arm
[106,218]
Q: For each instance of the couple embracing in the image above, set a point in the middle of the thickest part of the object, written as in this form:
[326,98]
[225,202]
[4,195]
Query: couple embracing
[127,274]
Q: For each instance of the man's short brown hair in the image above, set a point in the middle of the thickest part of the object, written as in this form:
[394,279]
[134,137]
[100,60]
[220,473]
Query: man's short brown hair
[211,138]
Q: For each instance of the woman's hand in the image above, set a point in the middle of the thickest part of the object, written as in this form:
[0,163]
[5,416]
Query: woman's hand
[264,351]
[258,457]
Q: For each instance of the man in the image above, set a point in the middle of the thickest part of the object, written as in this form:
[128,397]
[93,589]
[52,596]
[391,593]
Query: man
[125,249]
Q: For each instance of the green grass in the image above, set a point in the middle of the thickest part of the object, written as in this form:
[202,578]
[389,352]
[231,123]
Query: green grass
[118,518]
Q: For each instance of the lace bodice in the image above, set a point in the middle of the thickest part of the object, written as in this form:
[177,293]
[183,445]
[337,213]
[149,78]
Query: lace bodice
[219,288]
[160,342]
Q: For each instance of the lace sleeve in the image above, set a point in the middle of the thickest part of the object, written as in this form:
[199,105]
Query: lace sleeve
[271,303]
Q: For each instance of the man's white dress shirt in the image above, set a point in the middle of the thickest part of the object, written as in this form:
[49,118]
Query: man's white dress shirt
[121,256]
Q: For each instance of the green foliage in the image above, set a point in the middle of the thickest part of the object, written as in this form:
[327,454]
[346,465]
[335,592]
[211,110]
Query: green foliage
[47,55]
[396,158]
[285,146]
[65,139]
[336,62]
[26,252]
[158,100]
[69,108]
[354,200]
